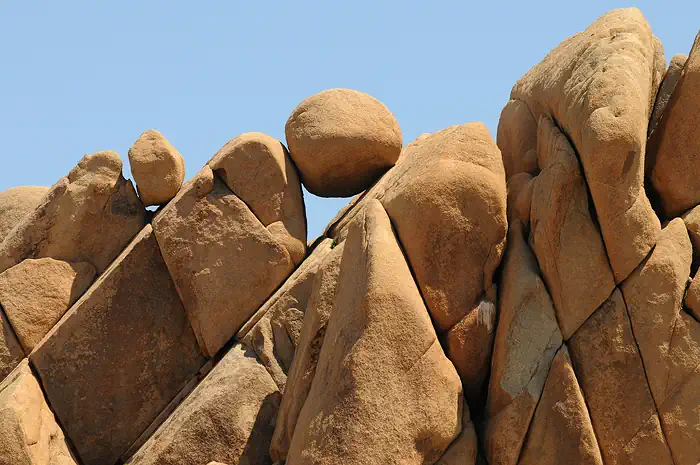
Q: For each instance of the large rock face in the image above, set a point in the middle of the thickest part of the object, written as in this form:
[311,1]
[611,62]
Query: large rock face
[88,216]
[16,203]
[120,354]
[381,364]
[675,144]
[224,262]
[158,168]
[29,434]
[230,417]
[597,85]
[36,293]
[342,141]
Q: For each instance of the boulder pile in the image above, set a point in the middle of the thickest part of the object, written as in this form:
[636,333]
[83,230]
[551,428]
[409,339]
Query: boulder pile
[529,300]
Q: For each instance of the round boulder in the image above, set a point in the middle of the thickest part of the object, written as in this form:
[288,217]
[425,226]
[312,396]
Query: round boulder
[158,168]
[16,203]
[341,141]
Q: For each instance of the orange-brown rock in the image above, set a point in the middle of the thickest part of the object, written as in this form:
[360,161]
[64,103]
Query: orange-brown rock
[450,218]
[517,138]
[11,352]
[29,434]
[611,375]
[381,364]
[668,85]
[561,429]
[36,293]
[341,141]
[158,168]
[16,203]
[223,260]
[119,355]
[566,239]
[597,86]
[258,170]
[303,367]
[230,417]
[527,338]
[463,450]
[275,330]
[520,188]
[675,145]
[88,216]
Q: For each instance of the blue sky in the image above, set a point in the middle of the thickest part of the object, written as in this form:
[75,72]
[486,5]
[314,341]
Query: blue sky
[78,77]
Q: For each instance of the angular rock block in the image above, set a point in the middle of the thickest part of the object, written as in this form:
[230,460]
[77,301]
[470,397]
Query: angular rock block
[229,417]
[598,86]
[36,293]
[224,262]
[90,215]
[11,352]
[612,377]
[16,203]
[303,367]
[383,391]
[29,434]
[274,331]
[527,339]
[119,355]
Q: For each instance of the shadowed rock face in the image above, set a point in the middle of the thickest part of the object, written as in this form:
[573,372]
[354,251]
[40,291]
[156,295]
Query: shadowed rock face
[217,336]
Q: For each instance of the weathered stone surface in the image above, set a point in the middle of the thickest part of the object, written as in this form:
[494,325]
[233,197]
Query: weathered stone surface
[469,344]
[258,170]
[450,218]
[11,352]
[566,240]
[692,223]
[381,364]
[561,430]
[230,416]
[342,141]
[669,346]
[88,216]
[673,74]
[119,355]
[597,86]
[680,417]
[303,367]
[158,168]
[520,188]
[674,147]
[517,137]
[611,374]
[36,293]
[16,203]
[224,262]
[463,450]
[29,434]
[527,339]
[274,331]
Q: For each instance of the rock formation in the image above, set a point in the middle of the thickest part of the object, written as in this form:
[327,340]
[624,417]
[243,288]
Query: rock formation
[529,300]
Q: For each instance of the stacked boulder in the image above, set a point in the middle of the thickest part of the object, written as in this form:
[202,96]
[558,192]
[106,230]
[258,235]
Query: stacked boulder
[530,300]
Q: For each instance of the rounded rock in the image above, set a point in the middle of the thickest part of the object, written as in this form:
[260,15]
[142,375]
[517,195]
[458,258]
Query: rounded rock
[342,141]
[158,168]
[16,203]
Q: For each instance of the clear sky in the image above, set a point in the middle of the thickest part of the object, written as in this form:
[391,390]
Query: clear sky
[77,77]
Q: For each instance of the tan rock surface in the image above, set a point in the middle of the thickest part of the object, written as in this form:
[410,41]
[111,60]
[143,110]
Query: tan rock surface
[275,335]
[16,203]
[674,147]
[561,430]
[692,223]
[378,366]
[119,355]
[341,141]
[450,218]
[224,262]
[567,242]
[670,80]
[259,171]
[527,339]
[597,85]
[517,137]
[230,416]
[158,168]
[612,378]
[303,367]
[29,434]
[88,216]
[463,450]
[520,188]
[11,352]
[36,293]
